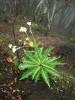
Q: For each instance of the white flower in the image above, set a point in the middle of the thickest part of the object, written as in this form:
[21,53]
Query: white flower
[23,29]
[14,49]
[10,45]
[29,23]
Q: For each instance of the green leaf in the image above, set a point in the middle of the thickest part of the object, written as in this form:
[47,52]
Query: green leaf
[28,73]
[23,59]
[53,59]
[37,70]
[53,63]
[38,53]
[52,71]
[21,66]
[39,64]
[24,66]
[46,52]
[16,60]
[45,76]
[28,61]
[36,46]
[30,56]
[37,77]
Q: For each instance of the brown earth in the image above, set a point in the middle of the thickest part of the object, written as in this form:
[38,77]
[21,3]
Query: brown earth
[13,89]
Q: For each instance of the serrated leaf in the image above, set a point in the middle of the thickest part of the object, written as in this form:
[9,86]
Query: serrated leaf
[28,73]
[37,70]
[52,71]
[29,62]
[46,52]
[36,46]
[37,77]
[25,66]
[53,63]
[53,59]
[38,53]
[30,56]
[45,76]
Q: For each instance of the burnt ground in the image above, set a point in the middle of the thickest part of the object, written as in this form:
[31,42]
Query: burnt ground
[13,89]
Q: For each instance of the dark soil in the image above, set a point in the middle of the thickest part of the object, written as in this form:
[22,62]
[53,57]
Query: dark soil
[61,89]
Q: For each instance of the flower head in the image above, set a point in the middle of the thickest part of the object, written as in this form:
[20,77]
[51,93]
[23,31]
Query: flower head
[29,23]
[14,49]
[23,29]
[10,45]
[31,44]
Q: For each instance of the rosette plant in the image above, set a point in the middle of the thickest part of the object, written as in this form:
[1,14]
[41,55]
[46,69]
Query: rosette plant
[39,64]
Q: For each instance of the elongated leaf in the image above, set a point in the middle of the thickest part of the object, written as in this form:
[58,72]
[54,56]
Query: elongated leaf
[48,64]
[37,70]
[37,77]
[53,63]
[28,73]
[52,71]
[53,59]
[45,76]
[46,52]
[25,66]
[30,65]
[36,46]
[28,61]
[38,53]
[24,61]
[30,56]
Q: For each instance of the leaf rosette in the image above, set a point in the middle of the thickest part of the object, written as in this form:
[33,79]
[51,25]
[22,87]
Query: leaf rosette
[39,64]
